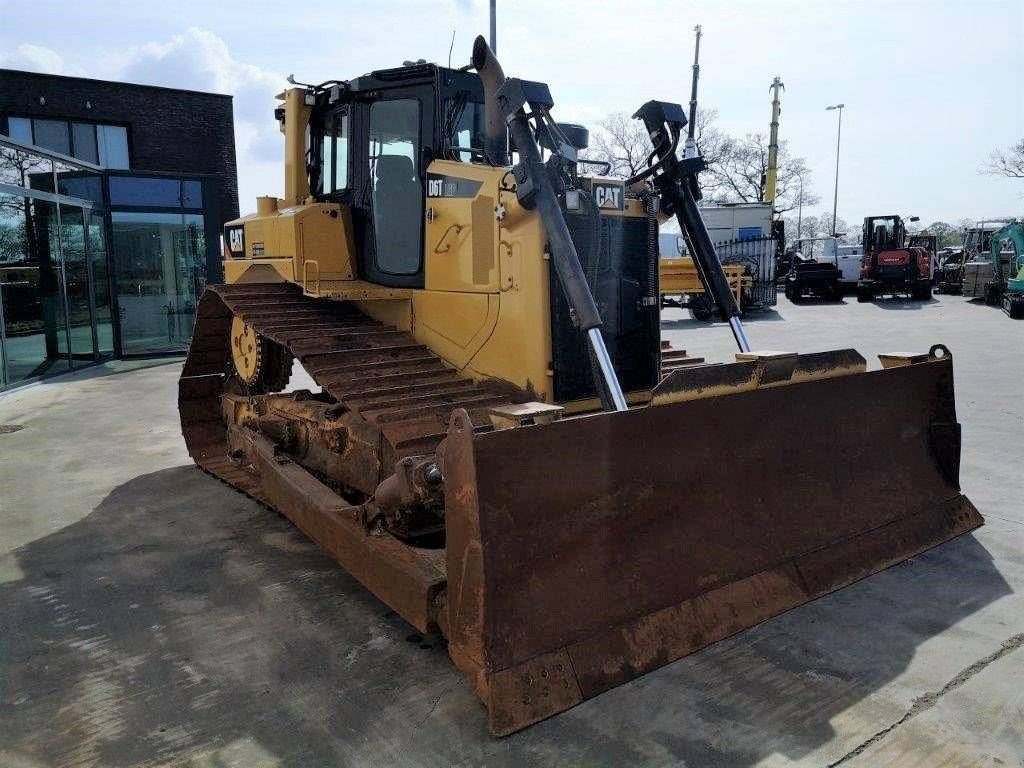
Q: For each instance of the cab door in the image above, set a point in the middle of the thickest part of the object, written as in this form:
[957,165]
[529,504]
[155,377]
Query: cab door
[396,146]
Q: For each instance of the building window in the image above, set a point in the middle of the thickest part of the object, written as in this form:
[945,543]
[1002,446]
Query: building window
[160,273]
[52,134]
[145,190]
[155,192]
[113,146]
[20,128]
[105,145]
[84,138]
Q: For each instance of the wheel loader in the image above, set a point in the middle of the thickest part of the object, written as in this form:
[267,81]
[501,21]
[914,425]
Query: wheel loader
[495,445]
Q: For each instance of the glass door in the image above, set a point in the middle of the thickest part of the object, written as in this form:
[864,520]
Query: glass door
[78,284]
[31,289]
[97,243]
[158,260]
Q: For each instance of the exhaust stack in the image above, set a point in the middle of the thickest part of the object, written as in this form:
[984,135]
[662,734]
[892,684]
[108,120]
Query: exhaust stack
[495,135]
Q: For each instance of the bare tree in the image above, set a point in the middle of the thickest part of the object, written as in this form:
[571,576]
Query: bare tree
[1009,162]
[623,143]
[739,175]
[735,167]
[17,231]
[714,146]
[947,235]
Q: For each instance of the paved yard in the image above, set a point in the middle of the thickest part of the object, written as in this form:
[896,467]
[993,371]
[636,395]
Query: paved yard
[150,615]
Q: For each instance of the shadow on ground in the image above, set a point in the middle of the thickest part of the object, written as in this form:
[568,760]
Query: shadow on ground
[902,303]
[182,623]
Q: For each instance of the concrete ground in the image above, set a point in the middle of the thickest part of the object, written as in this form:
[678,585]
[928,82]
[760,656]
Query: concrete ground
[149,615]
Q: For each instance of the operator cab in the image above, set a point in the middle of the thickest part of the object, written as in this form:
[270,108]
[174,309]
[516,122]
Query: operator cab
[883,233]
[371,142]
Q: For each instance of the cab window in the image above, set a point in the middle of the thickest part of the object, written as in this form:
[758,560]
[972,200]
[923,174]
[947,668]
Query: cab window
[334,155]
[463,129]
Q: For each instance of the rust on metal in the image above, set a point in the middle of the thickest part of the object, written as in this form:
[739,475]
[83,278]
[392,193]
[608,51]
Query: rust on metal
[561,556]
[637,557]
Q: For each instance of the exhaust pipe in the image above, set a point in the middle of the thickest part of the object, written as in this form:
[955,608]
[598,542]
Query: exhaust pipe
[495,135]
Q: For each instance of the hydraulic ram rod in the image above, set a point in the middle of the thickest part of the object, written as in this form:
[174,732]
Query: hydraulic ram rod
[709,268]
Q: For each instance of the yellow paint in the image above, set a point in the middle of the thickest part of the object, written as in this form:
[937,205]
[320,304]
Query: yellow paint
[454,225]
[454,325]
[519,348]
[485,307]
[296,182]
[263,271]
[305,243]
[355,290]
[396,313]
[679,276]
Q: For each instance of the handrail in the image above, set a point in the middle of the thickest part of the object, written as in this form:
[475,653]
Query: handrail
[305,276]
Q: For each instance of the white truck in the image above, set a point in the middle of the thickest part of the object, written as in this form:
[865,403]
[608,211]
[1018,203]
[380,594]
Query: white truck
[725,222]
[737,221]
[828,250]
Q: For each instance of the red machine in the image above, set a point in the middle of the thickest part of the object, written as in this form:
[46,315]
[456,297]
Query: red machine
[890,266]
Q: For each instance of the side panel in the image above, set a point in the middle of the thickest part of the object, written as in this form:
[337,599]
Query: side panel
[453,325]
[461,241]
[624,281]
[518,350]
[302,243]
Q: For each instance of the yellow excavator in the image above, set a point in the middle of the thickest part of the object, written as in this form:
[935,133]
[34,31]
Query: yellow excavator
[494,444]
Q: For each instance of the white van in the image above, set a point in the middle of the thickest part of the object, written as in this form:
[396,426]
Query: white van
[848,258]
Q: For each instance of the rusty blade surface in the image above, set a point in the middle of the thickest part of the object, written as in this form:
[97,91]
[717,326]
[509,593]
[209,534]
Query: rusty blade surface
[585,552]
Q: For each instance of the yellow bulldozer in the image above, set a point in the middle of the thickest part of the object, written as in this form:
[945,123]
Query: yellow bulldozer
[495,445]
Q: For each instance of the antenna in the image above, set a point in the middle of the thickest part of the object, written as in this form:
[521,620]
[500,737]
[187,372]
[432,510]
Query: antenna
[691,142]
[451,48]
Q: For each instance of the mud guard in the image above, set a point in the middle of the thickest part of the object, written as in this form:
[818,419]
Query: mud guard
[583,553]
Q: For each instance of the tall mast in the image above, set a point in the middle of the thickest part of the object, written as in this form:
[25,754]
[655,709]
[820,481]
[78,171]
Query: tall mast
[691,142]
[771,177]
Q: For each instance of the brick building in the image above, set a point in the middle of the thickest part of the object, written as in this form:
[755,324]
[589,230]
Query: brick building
[167,130]
[112,200]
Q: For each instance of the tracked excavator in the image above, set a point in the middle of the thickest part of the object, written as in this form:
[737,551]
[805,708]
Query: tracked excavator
[494,444]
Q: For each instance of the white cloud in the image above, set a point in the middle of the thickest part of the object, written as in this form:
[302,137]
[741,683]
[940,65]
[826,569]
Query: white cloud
[200,60]
[36,58]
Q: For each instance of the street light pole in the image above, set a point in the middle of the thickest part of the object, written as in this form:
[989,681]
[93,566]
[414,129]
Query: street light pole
[835,194]
[494,26]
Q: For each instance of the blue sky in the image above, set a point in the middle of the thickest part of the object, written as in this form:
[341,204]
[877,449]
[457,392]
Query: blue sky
[930,87]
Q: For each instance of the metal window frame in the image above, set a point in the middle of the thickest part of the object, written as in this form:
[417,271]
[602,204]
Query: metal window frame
[211,228]
[57,200]
[50,154]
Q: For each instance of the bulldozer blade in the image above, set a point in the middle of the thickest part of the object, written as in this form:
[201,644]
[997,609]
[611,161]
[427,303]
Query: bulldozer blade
[588,551]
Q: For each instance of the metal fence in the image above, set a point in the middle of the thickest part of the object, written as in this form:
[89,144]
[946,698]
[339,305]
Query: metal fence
[758,256]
